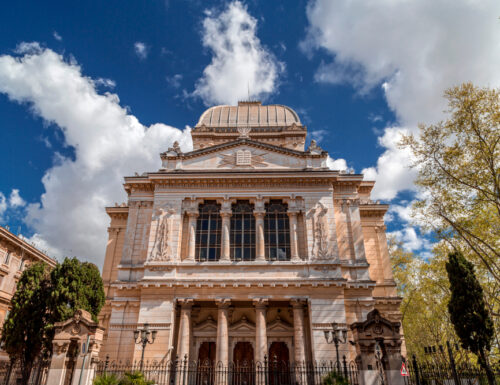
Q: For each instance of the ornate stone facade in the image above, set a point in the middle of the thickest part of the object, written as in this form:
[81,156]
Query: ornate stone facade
[246,246]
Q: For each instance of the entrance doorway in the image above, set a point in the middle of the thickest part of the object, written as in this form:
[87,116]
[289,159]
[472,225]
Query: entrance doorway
[243,364]
[205,374]
[279,364]
[243,354]
[206,354]
[279,354]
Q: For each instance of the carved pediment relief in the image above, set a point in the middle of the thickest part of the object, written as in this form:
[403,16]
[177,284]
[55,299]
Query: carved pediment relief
[243,158]
[207,325]
[243,325]
[279,326]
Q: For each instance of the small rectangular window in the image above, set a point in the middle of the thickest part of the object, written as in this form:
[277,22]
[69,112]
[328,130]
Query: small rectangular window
[7,258]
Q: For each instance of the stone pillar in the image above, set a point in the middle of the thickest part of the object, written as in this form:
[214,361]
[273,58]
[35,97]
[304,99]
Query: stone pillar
[260,329]
[57,368]
[260,250]
[192,235]
[294,247]
[225,254]
[299,330]
[184,339]
[222,344]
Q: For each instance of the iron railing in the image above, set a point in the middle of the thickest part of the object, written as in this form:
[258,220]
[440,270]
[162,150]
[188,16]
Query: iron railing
[184,372]
[427,372]
[10,374]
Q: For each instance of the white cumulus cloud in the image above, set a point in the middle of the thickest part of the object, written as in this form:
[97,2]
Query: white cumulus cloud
[15,199]
[108,143]
[240,63]
[414,50]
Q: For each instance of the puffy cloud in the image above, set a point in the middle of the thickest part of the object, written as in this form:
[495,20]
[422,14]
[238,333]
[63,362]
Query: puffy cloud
[414,50]
[336,164]
[15,199]
[108,143]
[141,50]
[410,240]
[240,64]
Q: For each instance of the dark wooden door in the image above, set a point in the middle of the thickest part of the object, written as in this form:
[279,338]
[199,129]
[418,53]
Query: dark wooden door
[206,354]
[243,353]
[205,375]
[279,364]
[243,369]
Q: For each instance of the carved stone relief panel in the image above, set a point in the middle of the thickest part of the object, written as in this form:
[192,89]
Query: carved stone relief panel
[161,233]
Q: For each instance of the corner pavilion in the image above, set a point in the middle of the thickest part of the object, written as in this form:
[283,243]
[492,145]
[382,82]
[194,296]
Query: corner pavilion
[248,246]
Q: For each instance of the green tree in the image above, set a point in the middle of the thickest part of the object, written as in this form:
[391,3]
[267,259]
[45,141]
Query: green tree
[75,285]
[468,311]
[458,163]
[23,330]
[43,298]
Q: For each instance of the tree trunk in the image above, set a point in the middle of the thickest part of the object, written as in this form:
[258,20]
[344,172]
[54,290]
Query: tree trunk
[483,361]
[26,368]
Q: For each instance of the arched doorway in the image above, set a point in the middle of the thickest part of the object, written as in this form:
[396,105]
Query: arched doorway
[279,364]
[206,361]
[243,369]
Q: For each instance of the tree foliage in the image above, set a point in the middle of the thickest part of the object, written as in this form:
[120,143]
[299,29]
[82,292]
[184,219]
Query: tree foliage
[23,330]
[458,162]
[468,311]
[43,298]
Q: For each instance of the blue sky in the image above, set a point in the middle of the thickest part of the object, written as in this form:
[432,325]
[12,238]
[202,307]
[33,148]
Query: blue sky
[92,91]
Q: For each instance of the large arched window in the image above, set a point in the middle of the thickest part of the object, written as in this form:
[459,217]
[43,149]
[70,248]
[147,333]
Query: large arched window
[277,232]
[242,232]
[208,232]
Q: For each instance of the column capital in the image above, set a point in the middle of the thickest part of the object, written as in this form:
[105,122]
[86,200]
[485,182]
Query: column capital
[381,228]
[293,212]
[259,213]
[186,303]
[260,303]
[298,303]
[223,303]
[226,213]
[192,214]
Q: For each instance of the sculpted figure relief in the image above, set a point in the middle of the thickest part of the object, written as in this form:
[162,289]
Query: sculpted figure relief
[321,248]
[159,251]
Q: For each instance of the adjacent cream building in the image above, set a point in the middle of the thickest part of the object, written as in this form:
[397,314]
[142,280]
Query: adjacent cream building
[15,256]
[247,246]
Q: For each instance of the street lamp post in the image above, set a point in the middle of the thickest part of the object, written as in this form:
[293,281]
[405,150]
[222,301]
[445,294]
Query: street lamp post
[142,337]
[336,336]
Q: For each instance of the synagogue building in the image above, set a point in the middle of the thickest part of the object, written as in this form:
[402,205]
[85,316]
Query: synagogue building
[246,248]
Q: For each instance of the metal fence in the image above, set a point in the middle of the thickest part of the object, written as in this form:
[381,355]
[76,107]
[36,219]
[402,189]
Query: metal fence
[10,374]
[447,373]
[183,372]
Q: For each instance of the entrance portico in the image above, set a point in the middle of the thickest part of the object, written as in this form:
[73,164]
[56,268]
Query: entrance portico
[243,332]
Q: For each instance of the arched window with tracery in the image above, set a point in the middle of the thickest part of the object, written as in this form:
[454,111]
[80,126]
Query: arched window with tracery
[277,231]
[242,232]
[208,232]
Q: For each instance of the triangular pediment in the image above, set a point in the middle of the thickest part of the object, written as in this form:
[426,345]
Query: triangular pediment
[243,325]
[279,325]
[207,325]
[246,154]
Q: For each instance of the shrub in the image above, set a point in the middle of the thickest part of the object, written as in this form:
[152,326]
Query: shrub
[334,378]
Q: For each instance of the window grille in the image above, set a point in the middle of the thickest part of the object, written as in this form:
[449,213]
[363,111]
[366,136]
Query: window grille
[208,232]
[242,232]
[277,231]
